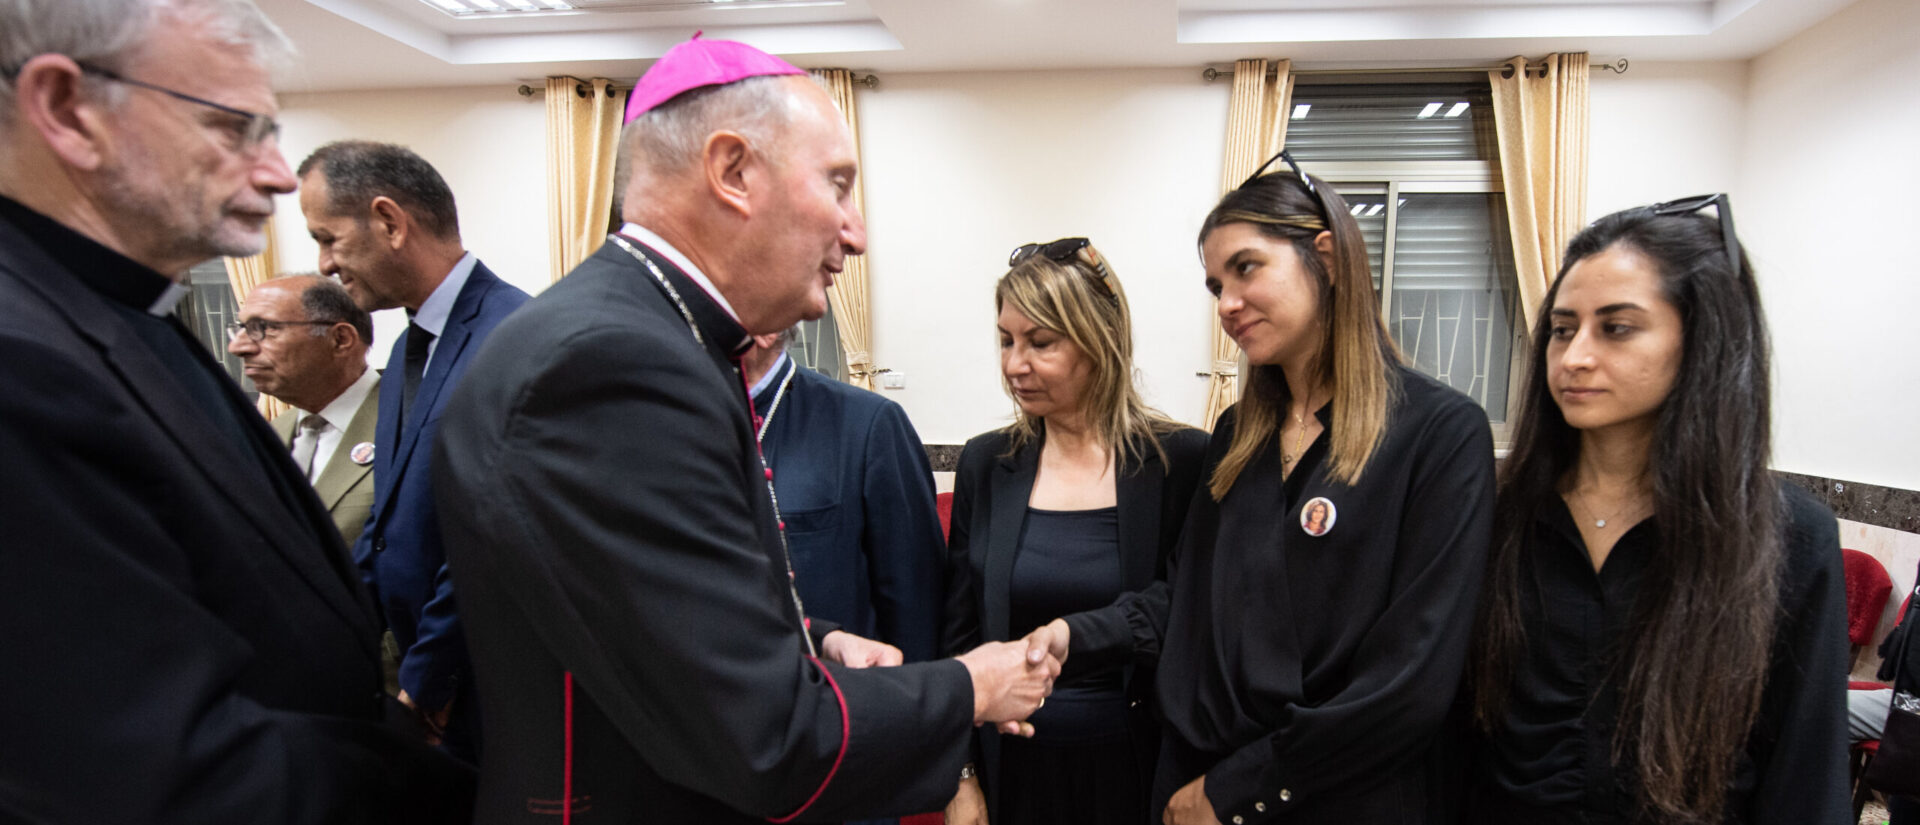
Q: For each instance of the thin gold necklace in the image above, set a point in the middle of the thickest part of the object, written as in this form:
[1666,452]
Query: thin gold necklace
[1299,436]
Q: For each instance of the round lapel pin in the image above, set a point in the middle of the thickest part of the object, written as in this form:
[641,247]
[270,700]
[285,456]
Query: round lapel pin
[362,453]
[1318,515]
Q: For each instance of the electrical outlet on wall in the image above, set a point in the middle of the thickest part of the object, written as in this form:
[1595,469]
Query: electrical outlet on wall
[893,380]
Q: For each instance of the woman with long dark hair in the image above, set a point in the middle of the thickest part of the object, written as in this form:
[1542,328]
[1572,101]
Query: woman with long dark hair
[1663,637]
[1307,667]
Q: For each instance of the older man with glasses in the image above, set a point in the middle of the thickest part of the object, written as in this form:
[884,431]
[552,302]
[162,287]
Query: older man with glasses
[186,638]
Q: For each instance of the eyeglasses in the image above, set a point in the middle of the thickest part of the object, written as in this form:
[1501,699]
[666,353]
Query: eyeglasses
[1722,206]
[1069,249]
[1304,180]
[258,328]
[258,129]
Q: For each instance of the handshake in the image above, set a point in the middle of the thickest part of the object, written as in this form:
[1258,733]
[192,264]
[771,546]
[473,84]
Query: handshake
[1011,680]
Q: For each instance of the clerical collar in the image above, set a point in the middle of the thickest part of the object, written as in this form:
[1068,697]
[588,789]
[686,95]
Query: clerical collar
[705,313]
[773,374]
[679,259]
[116,276]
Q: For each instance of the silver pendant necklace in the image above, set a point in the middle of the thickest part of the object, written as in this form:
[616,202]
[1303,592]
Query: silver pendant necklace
[780,524]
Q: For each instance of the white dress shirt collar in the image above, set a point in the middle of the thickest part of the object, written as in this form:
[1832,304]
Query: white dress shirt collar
[339,415]
[433,313]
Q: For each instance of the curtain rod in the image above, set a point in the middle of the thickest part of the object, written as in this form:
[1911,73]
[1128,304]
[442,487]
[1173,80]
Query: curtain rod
[529,90]
[1210,73]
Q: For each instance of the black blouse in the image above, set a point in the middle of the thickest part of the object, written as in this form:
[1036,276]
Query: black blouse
[1554,755]
[1303,674]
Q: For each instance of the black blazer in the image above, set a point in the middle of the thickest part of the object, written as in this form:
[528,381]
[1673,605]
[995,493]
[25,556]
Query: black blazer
[624,591]
[181,644]
[990,494]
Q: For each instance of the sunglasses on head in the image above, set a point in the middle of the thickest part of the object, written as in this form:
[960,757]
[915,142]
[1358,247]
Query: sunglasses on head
[1722,206]
[1066,250]
[1295,167]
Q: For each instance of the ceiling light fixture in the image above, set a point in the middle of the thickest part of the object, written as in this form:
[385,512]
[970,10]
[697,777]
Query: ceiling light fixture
[1376,209]
[1300,110]
[1356,209]
[1457,109]
[523,5]
[1429,111]
[489,5]
[452,6]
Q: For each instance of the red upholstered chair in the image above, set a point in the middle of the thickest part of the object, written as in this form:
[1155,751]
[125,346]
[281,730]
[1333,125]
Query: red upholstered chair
[1868,587]
[944,503]
[1864,590]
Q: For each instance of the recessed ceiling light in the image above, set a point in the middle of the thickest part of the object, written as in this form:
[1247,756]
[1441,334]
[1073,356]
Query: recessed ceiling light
[523,5]
[557,4]
[1429,111]
[1300,110]
[1376,209]
[451,5]
[1457,109]
[1357,208]
[487,4]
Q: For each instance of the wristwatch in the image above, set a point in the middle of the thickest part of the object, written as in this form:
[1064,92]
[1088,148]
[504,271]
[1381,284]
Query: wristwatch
[966,772]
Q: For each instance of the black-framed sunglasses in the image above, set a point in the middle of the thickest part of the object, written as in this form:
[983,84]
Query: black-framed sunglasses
[1287,158]
[258,328]
[258,129]
[1068,249]
[1723,207]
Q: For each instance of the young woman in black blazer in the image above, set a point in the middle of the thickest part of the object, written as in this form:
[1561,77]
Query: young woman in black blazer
[1324,586]
[1664,633]
[1074,504]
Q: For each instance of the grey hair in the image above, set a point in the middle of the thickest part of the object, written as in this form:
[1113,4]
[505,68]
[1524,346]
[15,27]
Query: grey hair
[111,33]
[668,139]
[326,301]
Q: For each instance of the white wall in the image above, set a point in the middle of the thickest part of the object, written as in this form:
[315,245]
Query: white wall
[961,168]
[488,142]
[1814,136]
[1663,131]
[1826,202]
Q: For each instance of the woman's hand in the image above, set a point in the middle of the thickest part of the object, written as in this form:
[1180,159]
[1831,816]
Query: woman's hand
[969,805]
[1189,806]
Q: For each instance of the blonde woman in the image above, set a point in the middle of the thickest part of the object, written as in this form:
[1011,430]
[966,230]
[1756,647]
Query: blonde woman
[1311,659]
[1073,505]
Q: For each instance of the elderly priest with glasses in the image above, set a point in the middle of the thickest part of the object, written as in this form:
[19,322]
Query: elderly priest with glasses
[186,639]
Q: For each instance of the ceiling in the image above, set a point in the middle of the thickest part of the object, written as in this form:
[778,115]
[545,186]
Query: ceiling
[363,44]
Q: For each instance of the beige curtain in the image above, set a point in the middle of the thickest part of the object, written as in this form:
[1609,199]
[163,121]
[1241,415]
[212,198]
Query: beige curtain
[1256,129]
[243,274]
[1541,118]
[583,129]
[848,295]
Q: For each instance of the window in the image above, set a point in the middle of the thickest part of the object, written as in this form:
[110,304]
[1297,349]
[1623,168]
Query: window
[1419,168]
[207,310]
[817,347]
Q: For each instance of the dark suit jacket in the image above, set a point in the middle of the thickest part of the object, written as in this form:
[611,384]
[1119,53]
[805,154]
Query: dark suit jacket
[625,591]
[400,553]
[857,493]
[990,494]
[346,486]
[182,645]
